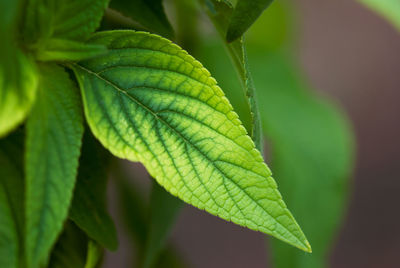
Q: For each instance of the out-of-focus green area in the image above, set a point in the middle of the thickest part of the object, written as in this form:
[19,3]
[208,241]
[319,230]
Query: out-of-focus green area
[309,140]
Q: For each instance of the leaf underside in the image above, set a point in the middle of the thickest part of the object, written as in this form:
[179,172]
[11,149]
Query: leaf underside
[147,100]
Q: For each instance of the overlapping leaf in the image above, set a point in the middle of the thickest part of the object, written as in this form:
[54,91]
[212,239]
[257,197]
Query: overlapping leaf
[148,13]
[243,16]
[54,133]
[88,209]
[147,100]
[220,12]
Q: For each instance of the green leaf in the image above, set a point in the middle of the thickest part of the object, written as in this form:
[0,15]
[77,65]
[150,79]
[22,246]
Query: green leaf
[67,50]
[88,209]
[62,19]
[11,202]
[244,15]
[390,9]
[94,255]
[163,211]
[18,79]
[219,13]
[54,133]
[148,13]
[147,100]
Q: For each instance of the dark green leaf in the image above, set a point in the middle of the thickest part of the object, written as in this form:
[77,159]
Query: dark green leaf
[54,133]
[11,202]
[88,209]
[244,15]
[148,13]
[147,100]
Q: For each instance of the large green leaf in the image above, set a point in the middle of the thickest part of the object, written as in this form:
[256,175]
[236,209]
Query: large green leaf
[88,209]
[17,74]
[244,15]
[62,19]
[390,9]
[54,133]
[148,13]
[147,100]
[220,12]
[11,202]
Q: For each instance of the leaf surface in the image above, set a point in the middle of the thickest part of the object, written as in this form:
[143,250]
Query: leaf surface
[62,19]
[390,9]
[54,133]
[88,209]
[148,13]
[244,15]
[147,100]
[11,201]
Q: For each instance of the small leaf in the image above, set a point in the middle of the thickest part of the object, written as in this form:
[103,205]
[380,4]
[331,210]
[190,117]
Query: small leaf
[18,78]
[390,9]
[220,12]
[54,133]
[148,13]
[94,255]
[11,202]
[88,209]
[147,100]
[163,211]
[67,50]
[244,15]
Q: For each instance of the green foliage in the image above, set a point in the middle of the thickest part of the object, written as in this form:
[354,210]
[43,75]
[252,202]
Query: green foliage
[54,133]
[163,208]
[151,82]
[312,145]
[390,9]
[243,16]
[11,203]
[88,209]
[17,73]
[220,12]
[149,14]
[147,100]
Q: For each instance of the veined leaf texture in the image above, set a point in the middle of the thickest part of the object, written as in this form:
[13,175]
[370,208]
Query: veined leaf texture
[147,100]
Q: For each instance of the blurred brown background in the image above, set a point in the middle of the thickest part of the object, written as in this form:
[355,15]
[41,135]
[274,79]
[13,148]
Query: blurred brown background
[354,56]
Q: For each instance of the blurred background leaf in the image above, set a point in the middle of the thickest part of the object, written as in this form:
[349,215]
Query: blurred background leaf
[310,140]
[390,9]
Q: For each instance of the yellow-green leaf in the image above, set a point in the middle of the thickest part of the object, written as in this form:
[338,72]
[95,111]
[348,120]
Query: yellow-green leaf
[147,100]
